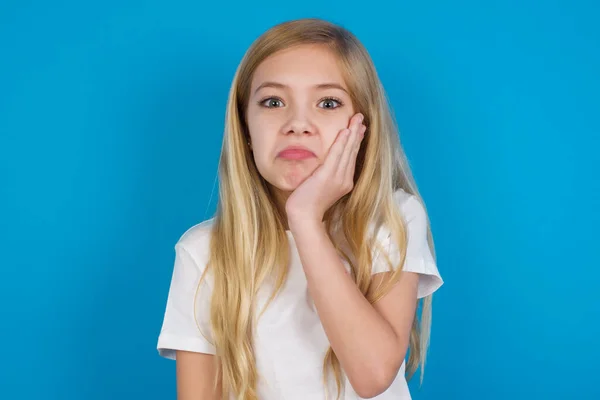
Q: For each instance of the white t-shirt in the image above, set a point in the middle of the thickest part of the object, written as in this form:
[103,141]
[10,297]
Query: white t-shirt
[290,342]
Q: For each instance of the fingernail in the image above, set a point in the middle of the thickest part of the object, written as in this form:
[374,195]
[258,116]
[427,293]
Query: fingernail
[360,118]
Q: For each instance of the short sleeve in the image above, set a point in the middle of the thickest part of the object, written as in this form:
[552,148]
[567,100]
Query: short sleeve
[180,330]
[418,255]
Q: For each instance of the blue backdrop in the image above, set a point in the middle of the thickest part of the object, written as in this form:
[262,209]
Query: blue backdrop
[111,119]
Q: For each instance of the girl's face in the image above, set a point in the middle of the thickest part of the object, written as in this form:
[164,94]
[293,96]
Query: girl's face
[298,98]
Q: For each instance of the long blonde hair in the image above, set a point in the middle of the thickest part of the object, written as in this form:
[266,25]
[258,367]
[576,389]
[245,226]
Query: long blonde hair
[248,241]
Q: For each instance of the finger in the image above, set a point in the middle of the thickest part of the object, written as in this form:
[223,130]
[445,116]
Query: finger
[355,126]
[352,164]
[361,135]
[336,150]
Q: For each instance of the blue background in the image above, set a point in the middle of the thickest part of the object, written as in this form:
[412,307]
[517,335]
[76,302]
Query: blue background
[111,119]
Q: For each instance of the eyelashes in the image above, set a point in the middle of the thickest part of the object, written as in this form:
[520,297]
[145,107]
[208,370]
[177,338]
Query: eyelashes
[261,102]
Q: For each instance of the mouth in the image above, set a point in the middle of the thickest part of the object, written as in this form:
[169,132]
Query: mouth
[296,153]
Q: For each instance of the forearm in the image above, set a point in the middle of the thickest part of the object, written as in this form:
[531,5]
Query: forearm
[364,342]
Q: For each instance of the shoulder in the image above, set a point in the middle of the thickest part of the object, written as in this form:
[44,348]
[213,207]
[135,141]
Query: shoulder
[411,209]
[196,234]
[196,241]
[410,206]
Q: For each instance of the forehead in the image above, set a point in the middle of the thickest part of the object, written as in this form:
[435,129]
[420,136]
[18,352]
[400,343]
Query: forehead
[299,66]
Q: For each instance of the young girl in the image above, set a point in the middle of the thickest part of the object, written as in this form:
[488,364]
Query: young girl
[307,280]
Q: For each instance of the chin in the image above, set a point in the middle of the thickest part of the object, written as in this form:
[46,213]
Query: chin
[287,177]
[288,181]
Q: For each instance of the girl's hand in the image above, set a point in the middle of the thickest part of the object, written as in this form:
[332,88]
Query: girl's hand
[331,180]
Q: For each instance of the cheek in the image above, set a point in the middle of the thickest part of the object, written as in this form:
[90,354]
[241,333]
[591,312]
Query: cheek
[260,127]
[332,129]
[262,139]
[264,130]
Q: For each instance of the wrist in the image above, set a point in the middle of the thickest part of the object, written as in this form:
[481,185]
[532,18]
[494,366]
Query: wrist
[300,223]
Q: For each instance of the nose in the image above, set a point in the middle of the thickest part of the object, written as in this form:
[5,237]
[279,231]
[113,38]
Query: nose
[299,122]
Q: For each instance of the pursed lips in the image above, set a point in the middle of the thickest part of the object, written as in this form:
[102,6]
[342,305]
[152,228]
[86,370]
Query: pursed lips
[296,153]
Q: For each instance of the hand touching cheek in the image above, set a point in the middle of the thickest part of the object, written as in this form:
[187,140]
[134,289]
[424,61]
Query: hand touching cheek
[331,180]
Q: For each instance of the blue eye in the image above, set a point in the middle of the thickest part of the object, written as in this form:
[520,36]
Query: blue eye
[271,102]
[276,102]
[331,100]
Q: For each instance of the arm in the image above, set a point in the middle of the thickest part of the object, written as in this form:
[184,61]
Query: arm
[195,376]
[370,341]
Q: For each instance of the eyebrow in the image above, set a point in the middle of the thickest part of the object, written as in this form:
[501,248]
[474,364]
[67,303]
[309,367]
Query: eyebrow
[320,86]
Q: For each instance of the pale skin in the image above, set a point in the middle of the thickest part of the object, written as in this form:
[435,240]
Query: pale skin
[370,341]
